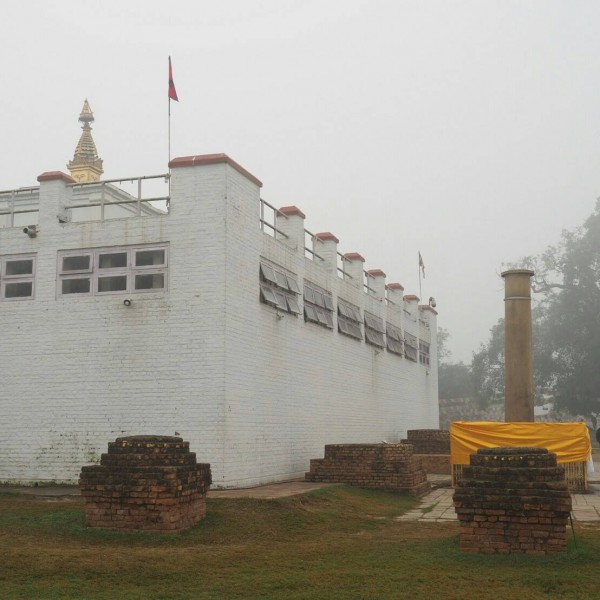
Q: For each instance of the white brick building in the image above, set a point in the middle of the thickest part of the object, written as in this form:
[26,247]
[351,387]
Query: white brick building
[254,349]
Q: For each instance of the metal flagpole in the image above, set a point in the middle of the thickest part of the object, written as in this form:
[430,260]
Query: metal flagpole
[420,262]
[172,96]
[169,161]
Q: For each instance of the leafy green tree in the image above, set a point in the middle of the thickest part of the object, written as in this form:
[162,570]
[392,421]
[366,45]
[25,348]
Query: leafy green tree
[488,363]
[573,317]
[487,368]
[454,381]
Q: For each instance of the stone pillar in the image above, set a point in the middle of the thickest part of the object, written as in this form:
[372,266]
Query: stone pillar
[325,245]
[290,221]
[353,266]
[395,293]
[376,280]
[518,354]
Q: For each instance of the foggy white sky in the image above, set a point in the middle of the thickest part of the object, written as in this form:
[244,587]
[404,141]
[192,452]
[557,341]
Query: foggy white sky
[468,130]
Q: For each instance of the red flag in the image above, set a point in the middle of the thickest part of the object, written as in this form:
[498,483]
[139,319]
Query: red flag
[172,91]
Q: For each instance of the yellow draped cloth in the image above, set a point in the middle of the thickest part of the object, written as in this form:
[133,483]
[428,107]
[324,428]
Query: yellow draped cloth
[569,441]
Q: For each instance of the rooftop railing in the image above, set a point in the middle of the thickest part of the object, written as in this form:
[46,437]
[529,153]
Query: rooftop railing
[92,201]
[268,214]
[97,200]
[16,209]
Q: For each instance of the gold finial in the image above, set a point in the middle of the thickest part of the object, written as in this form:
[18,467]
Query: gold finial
[86,166]
[86,116]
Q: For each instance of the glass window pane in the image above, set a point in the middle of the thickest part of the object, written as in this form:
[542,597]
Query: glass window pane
[268,273]
[281,280]
[19,267]
[328,302]
[76,263]
[374,337]
[293,285]
[76,286]
[293,305]
[310,313]
[114,260]
[322,315]
[155,281]
[22,289]
[281,302]
[112,284]
[146,258]
[267,294]
[355,330]
[319,299]
[343,326]
[394,333]
[309,294]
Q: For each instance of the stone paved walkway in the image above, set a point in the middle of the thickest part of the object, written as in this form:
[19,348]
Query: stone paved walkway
[436,507]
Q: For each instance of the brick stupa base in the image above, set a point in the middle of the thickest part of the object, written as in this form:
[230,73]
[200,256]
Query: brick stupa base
[432,446]
[145,483]
[513,500]
[390,467]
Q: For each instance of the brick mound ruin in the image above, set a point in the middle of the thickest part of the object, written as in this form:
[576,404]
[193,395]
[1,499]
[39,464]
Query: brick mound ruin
[391,467]
[432,446]
[145,483]
[513,500]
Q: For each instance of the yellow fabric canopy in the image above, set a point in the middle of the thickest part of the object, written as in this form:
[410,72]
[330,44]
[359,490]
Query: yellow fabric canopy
[569,441]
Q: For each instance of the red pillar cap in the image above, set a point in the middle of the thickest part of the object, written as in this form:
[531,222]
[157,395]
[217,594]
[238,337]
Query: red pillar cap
[353,256]
[326,236]
[376,273]
[290,211]
[55,176]
[212,159]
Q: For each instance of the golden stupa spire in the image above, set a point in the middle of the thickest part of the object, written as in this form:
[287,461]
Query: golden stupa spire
[86,166]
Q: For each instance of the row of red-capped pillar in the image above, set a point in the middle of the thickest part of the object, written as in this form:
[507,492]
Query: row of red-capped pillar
[290,221]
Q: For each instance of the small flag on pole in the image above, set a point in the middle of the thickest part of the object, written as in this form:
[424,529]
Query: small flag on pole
[172,91]
[421,265]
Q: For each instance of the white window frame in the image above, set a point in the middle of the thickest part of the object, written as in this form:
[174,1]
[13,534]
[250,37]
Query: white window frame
[278,288]
[318,305]
[94,273]
[411,347]
[349,320]
[394,341]
[424,353]
[374,330]
[24,278]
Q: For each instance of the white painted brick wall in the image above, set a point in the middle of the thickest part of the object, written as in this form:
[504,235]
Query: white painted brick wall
[257,396]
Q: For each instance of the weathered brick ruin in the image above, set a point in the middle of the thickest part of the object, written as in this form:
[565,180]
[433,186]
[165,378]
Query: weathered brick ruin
[390,467]
[513,500]
[432,446]
[145,483]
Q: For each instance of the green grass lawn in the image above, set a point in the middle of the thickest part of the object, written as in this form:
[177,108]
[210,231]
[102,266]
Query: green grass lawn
[339,543]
